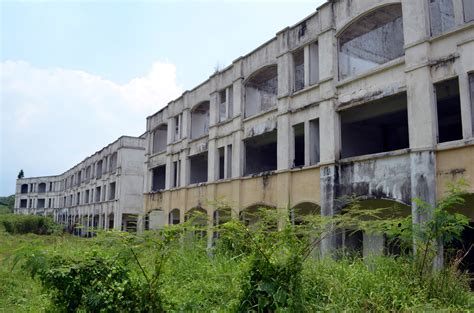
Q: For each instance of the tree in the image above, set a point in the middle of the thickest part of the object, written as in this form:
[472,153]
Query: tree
[21,174]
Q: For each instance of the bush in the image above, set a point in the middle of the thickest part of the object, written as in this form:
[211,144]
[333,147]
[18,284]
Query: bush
[23,224]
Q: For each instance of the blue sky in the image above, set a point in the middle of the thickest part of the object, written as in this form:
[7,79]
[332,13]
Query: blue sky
[77,75]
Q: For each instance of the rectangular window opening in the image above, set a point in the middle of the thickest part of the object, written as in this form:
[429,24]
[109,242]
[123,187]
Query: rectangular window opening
[375,127]
[112,191]
[40,204]
[448,104]
[158,178]
[175,182]
[23,203]
[221,163]
[97,194]
[198,165]
[314,140]
[468,6]
[261,153]
[222,105]
[298,65]
[299,148]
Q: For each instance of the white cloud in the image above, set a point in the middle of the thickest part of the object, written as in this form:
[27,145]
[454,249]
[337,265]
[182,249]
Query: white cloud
[53,118]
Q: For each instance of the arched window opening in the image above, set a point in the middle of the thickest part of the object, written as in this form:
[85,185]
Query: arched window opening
[24,188]
[160,138]
[374,39]
[174,217]
[261,91]
[200,120]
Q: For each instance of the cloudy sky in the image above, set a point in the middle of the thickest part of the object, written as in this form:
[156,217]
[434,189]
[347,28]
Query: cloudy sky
[76,75]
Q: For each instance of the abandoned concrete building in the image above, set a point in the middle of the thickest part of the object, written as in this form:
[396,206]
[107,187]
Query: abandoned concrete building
[366,97]
[103,191]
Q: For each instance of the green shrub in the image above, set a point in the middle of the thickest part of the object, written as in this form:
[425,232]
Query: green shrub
[23,224]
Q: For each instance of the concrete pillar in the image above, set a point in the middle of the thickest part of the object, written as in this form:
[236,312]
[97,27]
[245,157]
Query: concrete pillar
[212,161]
[329,179]
[283,142]
[238,157]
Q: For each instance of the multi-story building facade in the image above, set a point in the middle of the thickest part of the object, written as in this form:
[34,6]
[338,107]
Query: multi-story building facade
[366,97]
[103,191]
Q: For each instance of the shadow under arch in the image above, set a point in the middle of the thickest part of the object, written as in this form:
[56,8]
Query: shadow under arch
[299,212]
[253,214]
[174,217]
[358,242]
[198,219]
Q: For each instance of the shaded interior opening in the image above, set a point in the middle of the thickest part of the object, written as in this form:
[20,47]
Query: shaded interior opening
[23,203]
[314,141]
[378,126]
[41,203]
[24,188]
[160,138]
[261,91]
[41,188]
[374,39]
[448,105]
[174,217]
[198,164]
[200,120]
[221,152]
[298,131]
[158,178]
[261,153]
[298,67]
[441,16]
[112,191]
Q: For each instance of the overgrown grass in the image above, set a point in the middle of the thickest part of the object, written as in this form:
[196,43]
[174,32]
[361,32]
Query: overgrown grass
[24,224]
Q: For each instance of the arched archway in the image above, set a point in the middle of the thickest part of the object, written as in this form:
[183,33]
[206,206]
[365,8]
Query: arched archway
[371,40]
[24,188]
[261,90]
[200,120]
[253,214]
[302,210]
[359,242]
[198,219]
[174,217]
[219,217]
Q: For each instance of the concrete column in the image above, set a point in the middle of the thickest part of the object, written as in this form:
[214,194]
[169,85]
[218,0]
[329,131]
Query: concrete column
[306,65]
[140,223]
[329,124]
[185,168]
[329,179]
[238,157]
[212,161]
[465,65]
[422,118]
[307,144]
[168,171]
[283,142]
[238,97]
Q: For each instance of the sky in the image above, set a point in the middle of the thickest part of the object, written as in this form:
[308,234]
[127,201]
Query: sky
[76,75]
